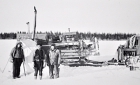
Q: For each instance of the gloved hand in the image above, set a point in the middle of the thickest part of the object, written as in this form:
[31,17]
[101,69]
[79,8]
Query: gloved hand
[44,65]
[11,60]
[58,65]
[23,59]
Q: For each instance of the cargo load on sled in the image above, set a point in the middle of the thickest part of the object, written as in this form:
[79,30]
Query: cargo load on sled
[72,50]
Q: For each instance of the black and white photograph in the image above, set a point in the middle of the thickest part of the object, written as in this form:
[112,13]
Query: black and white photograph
[69,42]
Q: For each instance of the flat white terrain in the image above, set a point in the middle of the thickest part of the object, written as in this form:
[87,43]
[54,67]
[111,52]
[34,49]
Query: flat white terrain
[82,75]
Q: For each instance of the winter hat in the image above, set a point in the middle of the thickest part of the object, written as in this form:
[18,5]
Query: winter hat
[53,44]
[19,43]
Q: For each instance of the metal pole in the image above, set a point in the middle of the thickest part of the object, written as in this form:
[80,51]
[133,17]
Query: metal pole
[35,23]
[5,65]
[69,29]
[24,68]
[28,25]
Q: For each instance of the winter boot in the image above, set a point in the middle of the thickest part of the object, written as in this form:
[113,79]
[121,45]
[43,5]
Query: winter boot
[18,76]
[14,77]
[40,77]
[35,77]
[130,68]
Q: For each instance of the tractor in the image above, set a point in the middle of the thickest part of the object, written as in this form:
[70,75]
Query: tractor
[129,53]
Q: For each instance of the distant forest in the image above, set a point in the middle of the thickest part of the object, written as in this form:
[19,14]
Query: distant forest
[80,35]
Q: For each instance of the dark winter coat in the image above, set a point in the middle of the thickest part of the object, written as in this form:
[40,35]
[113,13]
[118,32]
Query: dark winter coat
[17,53]
[39,55]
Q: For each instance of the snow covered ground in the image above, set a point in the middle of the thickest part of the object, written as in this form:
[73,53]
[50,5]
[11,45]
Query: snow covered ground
[108,50]
[82,75]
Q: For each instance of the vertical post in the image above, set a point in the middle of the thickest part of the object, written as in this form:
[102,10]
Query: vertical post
[35,23]
[28,25]
[69,29]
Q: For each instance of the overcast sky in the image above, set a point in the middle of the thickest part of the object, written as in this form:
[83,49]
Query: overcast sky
[78,15]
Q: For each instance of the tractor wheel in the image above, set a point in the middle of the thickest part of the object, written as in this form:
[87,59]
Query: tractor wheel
[127,62]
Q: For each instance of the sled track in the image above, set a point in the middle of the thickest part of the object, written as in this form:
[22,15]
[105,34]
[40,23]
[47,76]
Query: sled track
[91,63]
[85,63]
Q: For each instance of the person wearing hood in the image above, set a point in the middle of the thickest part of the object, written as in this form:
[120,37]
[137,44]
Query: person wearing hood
[54,62]
[17,57]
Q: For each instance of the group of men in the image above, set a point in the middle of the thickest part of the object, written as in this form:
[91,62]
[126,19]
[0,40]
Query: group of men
[51,58]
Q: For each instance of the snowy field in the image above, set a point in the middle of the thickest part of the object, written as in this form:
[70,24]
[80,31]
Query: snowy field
[82,75]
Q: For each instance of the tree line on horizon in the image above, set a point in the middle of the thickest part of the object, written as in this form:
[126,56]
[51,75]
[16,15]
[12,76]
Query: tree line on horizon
[80,35]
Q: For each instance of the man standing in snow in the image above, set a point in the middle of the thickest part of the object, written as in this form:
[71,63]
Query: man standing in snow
[54,62]
[39,59]
[17,57]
